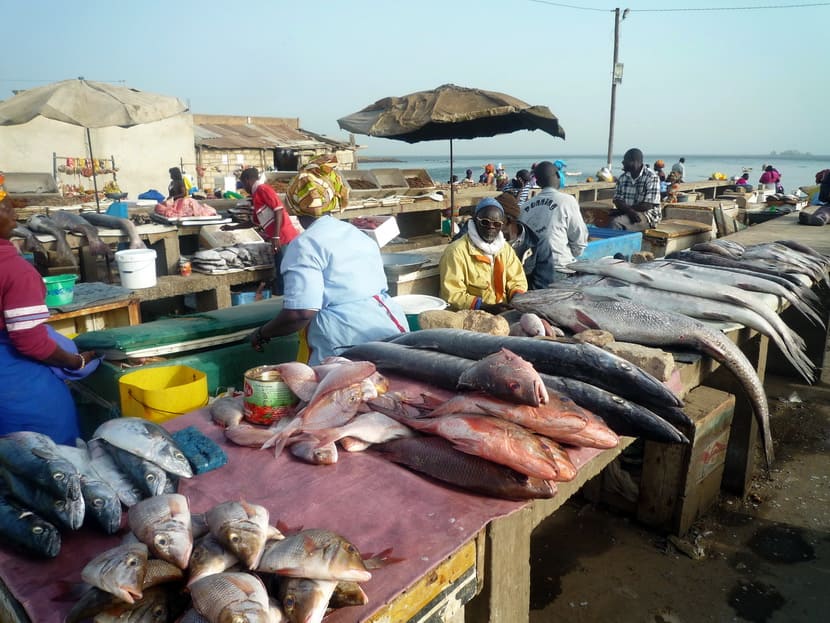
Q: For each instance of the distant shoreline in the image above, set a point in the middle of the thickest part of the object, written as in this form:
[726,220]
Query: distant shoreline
[379,159]
[760,157]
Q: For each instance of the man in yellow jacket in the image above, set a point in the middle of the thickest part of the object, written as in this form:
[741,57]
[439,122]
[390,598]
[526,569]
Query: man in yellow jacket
[480,270]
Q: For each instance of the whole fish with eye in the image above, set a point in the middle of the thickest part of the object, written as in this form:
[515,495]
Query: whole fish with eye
[304,600]
[149,477]
[162,523]
[315,554]
[209,556]
[632,322]
[113,222]
[32,244]
[507,376]
[61,511]
[309,449]
[147,440]
[41,224]
[372,427]
[242,528]
[26,530]
[36,457]
[119,571]
[100,499]
[72,222]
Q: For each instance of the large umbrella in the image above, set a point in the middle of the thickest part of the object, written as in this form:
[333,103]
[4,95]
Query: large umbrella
[89,105]
[450,112]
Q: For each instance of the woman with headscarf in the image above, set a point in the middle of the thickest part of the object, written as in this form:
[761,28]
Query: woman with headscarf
[335,289]
[480,270]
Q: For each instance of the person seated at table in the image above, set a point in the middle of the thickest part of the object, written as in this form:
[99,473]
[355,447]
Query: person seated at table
[335,286]
[179,203]
[637,196]
[480,270]
[33,366]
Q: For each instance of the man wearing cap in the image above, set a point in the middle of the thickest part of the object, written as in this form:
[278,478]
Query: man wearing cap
[554,216]
[637,197]
[335,287]
[480,270]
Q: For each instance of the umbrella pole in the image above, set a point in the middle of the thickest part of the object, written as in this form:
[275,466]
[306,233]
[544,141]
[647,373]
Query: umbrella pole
[94,176]
[453,215]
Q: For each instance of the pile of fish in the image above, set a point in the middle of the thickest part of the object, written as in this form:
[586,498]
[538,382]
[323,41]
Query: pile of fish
[242,255]
[227,564]
[663,303]
[47,487]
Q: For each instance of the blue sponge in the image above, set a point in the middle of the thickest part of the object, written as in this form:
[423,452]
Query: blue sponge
[202,452]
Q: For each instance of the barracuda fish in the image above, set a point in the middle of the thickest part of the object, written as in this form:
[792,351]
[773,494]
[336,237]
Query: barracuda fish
[792,260]
[436,457]
[115,222]
[26,530]
[744,281]
[762,268]
[81,227]
[231,597]
[62,512]
[44,225]
[631,322]
[100,499]
[32,244]
[582,361]
[730,249]
[790,344]
[119,571]
[147,440]
[241,528]
[149,477]
[36,457]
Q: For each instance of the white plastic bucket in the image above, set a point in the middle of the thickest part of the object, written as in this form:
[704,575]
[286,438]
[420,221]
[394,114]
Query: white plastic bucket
[137,268]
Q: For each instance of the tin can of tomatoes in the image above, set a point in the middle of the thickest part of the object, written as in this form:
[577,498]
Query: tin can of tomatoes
[266,397]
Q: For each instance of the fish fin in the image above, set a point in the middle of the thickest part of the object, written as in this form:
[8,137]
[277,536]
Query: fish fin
[380,559]
[274,534]
[249,510]
[615,283]
[286,529]
[46,456]
[586,320]
[309,546]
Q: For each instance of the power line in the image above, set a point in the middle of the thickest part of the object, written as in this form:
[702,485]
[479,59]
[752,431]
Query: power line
[690,9]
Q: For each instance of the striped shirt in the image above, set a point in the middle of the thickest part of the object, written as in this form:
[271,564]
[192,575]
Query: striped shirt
[643,189]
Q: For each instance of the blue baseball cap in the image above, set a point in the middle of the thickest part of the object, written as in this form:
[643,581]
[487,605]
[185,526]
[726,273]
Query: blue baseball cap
[486,203]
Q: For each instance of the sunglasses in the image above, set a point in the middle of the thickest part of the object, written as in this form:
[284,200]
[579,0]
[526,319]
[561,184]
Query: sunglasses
[486,222]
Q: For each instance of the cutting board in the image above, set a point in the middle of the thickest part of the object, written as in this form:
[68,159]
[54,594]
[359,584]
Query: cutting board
[677,228]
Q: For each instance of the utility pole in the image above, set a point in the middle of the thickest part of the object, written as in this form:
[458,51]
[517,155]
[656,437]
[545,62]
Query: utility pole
[616,78]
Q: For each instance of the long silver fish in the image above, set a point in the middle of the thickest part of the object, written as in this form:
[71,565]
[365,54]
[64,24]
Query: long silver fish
[785,256]
[632,322]
[44,225]
[162,523]
[147,440]
[36,457]
[26,530]
[790,344]
[72,222]
[105,466]
[59,510]
[32,244]
[149,477]
[100,498]
[769,272]
[115,222]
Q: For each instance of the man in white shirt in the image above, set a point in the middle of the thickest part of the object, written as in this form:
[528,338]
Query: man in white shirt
[555,216]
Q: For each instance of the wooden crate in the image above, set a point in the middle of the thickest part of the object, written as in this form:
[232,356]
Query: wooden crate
[675,235]
[680,482]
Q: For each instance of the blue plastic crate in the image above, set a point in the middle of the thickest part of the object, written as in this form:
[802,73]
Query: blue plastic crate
[603,242]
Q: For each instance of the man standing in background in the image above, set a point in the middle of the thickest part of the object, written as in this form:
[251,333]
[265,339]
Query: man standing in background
[637,198]
[554,216]
[678,171]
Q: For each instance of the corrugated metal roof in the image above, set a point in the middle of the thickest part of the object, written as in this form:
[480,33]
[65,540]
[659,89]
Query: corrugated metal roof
[232,134]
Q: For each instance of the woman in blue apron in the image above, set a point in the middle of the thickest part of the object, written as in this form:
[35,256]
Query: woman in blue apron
[335,287]
[33,366]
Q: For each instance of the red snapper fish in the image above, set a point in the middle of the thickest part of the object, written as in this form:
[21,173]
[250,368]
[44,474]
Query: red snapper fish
[507,376]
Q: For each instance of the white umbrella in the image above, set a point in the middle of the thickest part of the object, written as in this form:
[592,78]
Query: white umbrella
[89,105]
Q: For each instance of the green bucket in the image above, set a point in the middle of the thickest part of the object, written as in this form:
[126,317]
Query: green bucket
[60,289]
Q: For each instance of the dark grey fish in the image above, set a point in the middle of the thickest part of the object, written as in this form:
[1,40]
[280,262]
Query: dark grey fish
[437,458]
[26,531]
[585,362]
[44,225]
[147,440]
[710,259]
[32,244]
[72,222]
[148,476]
[36,457]
[115,222]
[632,322]
[100,499]
[60,511]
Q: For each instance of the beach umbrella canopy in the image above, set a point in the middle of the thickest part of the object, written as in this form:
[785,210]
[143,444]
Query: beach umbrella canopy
[89,105]
[450,112]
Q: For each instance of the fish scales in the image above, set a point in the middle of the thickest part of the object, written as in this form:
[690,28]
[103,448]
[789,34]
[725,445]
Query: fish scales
[315,554]
[36,457]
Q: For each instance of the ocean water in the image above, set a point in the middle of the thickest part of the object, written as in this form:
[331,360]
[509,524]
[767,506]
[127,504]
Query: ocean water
[795,171]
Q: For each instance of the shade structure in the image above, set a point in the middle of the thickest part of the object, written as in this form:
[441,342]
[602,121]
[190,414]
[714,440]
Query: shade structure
[450,112]
[89,105]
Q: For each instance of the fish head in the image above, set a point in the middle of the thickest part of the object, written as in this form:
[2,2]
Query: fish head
[119,571]
[104,504]
[304,600]
[173,460]
[44,536]
[245,540]
[344,560]
[208,557]
[173,542]
[348,594]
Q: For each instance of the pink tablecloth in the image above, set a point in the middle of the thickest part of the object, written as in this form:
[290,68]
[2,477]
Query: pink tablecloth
[373,503]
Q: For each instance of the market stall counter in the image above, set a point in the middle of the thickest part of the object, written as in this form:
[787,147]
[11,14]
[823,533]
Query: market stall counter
[435,530]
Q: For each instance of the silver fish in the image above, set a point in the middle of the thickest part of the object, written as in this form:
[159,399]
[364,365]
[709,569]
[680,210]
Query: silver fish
[119,571]
[115,222]
[41,224]
[209,556]
[36,457]
[227,410]
[305,600]
[26,530]
[147,440]
[100,498]
[60,511]
[162,523]
[72,222]
[372,427]
[240,527]
[315,554]
[309,449]
[105,466]
[632,322]
[226,597]
[149,477]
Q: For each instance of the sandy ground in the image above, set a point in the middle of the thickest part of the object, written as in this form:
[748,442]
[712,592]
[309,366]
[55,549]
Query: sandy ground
[766,558]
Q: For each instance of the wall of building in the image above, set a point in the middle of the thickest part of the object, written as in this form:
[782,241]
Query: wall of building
[143,154]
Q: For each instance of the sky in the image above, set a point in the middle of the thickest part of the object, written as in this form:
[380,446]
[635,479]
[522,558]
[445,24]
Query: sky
[729,81]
